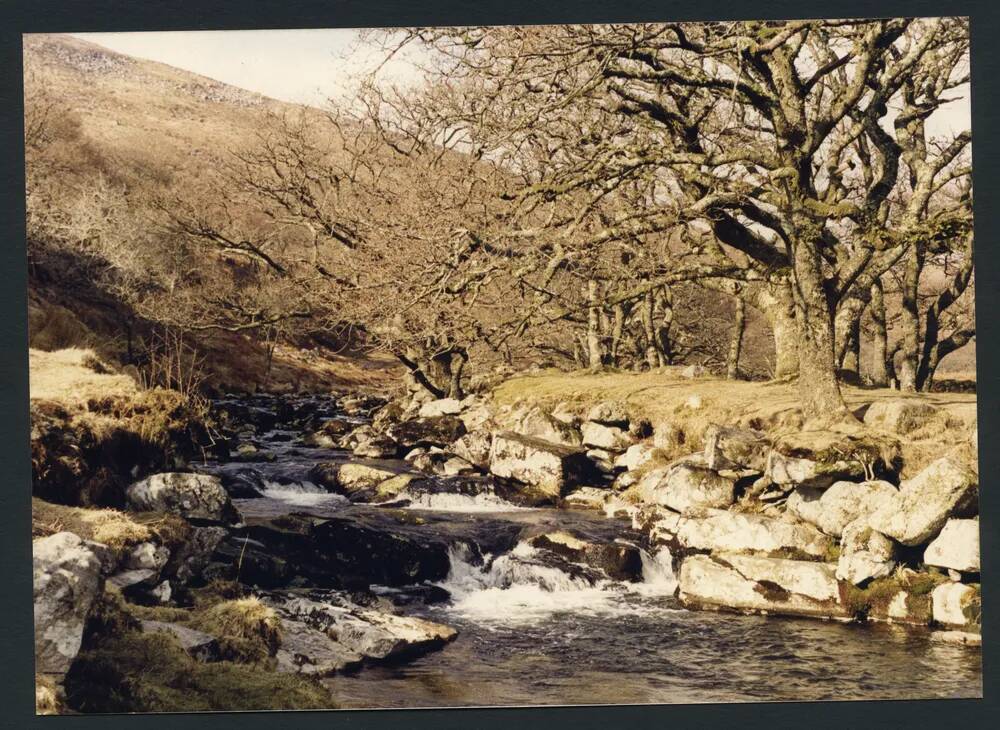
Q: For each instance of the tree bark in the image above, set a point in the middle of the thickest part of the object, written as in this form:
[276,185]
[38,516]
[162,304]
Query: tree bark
[910,321]
[778,305]
[819,391]
[594,353]
[880,340]
[649,330]
[736,343]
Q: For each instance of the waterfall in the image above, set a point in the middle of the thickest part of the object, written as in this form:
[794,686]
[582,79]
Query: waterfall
[302,494]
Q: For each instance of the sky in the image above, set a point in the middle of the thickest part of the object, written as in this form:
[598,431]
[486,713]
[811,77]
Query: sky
[310,66]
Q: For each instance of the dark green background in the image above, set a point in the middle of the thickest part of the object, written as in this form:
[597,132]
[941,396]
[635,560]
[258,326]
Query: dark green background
[53,16]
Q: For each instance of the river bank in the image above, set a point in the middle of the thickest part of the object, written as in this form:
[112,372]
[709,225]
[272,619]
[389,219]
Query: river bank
[496,551]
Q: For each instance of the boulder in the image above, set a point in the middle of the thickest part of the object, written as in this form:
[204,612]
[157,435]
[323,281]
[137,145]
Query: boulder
[196,552]
[635,456]
[67,581]
[441,407]
[601,436]
[722,530]
[193,496]
[536,423]
[474,447]
[756,584]
[456,466]
[832,509]
[550,469]
[609,413]
[203,647]
[376,447]
[567,414]
[586,498]
[865,554]
[687,486]
[148,555]
[956,547]
[956,604]
[820,458]
[900,415]
[355,476]
[619,561]
[965,638]
[924,503]
[433,431]
[735,448]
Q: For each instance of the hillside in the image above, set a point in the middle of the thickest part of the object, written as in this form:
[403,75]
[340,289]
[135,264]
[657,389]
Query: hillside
[121,104]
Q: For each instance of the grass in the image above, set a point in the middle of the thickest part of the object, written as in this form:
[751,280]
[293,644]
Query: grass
[668,401]
[874,598]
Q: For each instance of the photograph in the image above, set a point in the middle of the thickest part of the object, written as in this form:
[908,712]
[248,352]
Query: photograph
[502,366]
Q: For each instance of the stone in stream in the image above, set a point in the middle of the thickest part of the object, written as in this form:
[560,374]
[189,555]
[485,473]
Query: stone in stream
[900,415]
[355,476]
[957,547]
[924,503]
[199,645]
[193,496]
[376,447]
[435,431]
[687,486]
[722,530]
[587,498]
[735,448]
[619,561]
[756,584]
[334,634]
[832,509]
[547,468]
[956,604]
[865,554]
[67,581]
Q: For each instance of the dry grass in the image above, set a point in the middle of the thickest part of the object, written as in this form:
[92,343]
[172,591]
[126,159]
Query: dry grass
[68,377]
[681,409]
[118,530]
[247,629]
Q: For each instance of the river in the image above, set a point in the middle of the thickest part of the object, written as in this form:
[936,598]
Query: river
[532,634]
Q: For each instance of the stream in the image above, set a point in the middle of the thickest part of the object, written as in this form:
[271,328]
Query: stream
[533,633]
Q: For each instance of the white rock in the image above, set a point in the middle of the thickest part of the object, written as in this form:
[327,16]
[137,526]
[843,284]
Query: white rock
[721,530]
[865,554]
[474,447]
[441,407]
[587,498]
[694,371]
[955,604]
[609,413]
[900,415]
[735,448]
[925,502]
[354,476]
[771,585]
[612,438]
[456,466]
[966,638]
[548,467]
[686,486]
[831,510]
[194,496]
[536,423]
[957,547]
[149,556]
[635,456]
[67,580]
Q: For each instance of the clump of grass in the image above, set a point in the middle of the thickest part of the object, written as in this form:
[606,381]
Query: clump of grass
[152,673]
[875,597]
[248,631]
[114,528]
[47,696]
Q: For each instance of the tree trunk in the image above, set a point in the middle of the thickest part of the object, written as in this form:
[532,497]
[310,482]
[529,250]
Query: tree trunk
[932,350]
[736,343]
[617,331]
[910,322]
[778,306]
[819,391]
[664,338]
[594,354]
[649,330]
[880,340]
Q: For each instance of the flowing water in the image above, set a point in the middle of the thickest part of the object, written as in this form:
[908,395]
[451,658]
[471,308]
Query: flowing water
[532,634]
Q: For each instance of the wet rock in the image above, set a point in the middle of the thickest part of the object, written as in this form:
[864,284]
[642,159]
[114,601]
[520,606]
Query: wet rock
[354,476]
[601,436]
[436,431]
[924,503]
[67,581]
[956,604]
[687,486]
[201,646]
[456,466]
[736,448]
[547,468]
[193,496]
[771,585]
[474,447]
[245,483]
[196,552]
[900,415]
[326,474]
[832,509]
[865,554]
[619,561]
[441,407]
[965,638]
[586,498]
[353,634]
[376,447]
[609,413]
[721,530]
[956,547]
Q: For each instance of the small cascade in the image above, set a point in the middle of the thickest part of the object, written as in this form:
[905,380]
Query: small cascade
[453,502]
[658,577]
[300,494]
